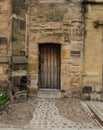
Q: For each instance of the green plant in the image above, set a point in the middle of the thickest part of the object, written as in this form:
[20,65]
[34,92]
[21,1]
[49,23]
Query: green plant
[3,99]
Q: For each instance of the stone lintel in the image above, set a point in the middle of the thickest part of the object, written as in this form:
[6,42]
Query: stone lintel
[51,39]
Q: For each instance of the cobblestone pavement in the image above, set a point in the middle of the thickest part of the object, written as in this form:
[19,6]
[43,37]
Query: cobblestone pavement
[47,115]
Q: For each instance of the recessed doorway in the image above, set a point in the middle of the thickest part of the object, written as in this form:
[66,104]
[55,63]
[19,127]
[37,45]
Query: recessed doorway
[49,66]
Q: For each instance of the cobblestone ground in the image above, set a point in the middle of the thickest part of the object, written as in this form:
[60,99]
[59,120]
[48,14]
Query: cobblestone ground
[46,113]
[65,113]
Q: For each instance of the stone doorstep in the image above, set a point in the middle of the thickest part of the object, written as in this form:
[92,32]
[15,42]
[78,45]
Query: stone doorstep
[49,94]
[48,129]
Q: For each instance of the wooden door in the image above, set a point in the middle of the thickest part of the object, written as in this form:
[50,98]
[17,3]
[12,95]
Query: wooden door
[49,66]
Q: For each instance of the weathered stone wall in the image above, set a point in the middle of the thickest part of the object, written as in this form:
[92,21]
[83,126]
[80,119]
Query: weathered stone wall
[18,43]
[19,26]
[56,22]
[5,40]
[93,49]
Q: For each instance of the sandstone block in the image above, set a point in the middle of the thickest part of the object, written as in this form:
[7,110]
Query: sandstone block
[75,81]
[75,38]
[1,70]
[65,85]
[64,76]
[33,58]
[32,90]
[65,68]
[75,69]
[65,53]
[33,66]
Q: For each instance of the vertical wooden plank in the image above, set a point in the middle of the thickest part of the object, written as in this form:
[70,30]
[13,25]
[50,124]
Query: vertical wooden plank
[41,71]
[52,68]
[39,79]
[49,74]
[42,66]
[55,68]
[58,67]
[47,78]
[45,67]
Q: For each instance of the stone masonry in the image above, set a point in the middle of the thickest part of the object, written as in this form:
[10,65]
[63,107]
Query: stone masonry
[5,41]
[19,26]
[93,51]
[75,25]
[58,22]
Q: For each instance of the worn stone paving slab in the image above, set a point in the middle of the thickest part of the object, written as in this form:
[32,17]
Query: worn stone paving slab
[97,108]
[47,115]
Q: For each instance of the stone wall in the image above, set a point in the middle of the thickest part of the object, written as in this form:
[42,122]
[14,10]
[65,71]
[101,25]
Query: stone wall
[93,49]
[19,26]
[5,40]
[58,22]
[61,22]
